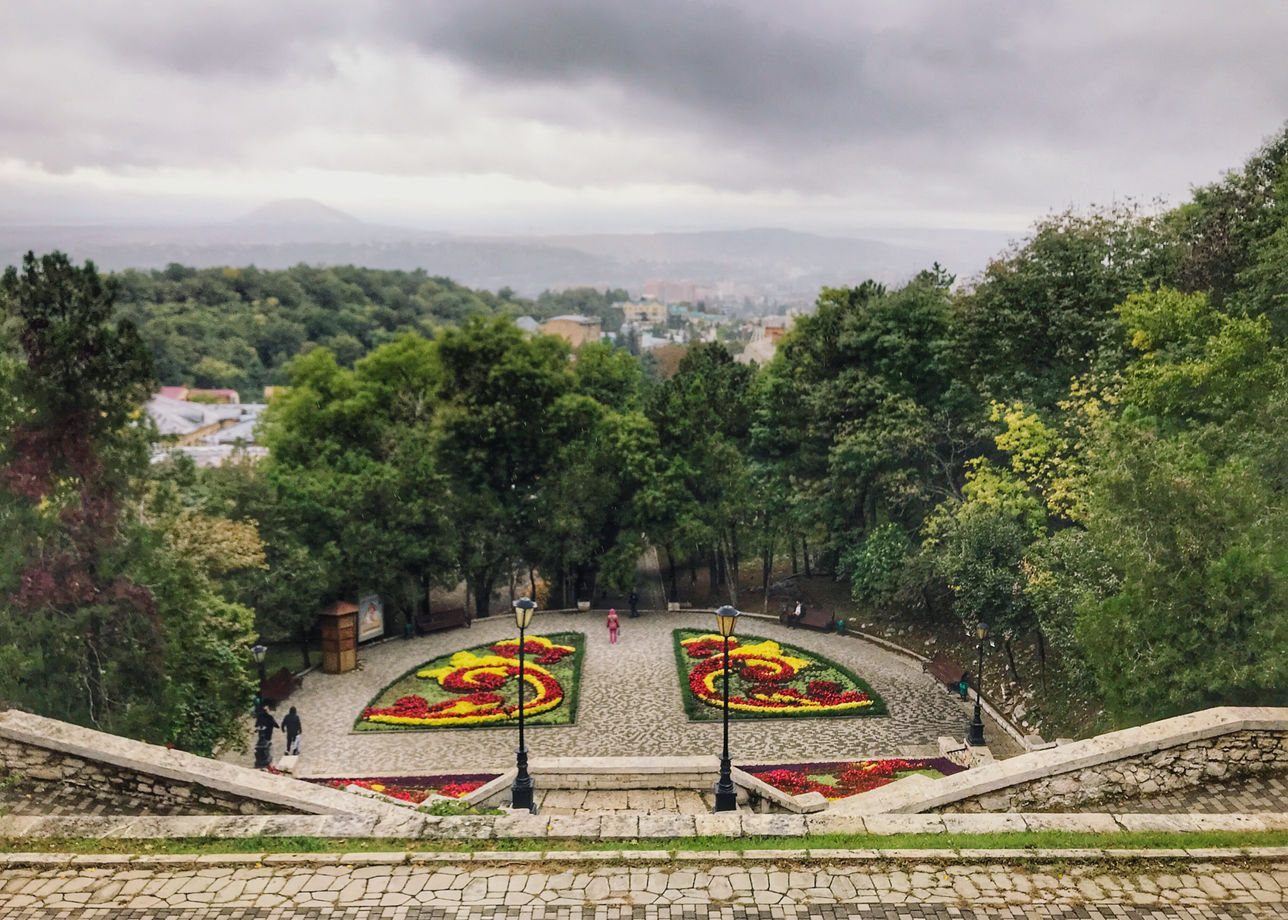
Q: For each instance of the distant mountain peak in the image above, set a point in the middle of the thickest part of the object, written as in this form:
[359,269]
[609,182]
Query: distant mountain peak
[298,211]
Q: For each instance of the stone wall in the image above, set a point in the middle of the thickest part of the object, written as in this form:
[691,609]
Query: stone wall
[56,768]
[1118,782]
[99,787]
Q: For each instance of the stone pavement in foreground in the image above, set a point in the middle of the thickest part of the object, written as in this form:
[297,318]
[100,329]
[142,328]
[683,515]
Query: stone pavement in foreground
[629,705]
[529,886]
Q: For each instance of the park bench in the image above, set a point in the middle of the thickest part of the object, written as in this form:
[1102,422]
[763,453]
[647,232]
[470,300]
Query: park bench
[947,672]
[279,685]
[435,620]
[822,620]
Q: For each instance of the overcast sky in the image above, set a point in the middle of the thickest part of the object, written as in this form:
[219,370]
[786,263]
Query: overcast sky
[539,115]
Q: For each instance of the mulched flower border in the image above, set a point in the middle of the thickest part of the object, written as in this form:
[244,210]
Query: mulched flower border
[571,694]
[698,711]
[407,788]
[798,774]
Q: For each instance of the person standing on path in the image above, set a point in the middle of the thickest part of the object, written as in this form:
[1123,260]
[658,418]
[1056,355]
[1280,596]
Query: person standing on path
[291,725]
[612,625]
[264,726]
[635,603]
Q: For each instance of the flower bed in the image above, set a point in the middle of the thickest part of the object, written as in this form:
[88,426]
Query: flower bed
[838,780]
[414,789]
[766,680]
[479,686]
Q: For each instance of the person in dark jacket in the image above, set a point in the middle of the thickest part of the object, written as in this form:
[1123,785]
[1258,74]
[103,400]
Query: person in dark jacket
[265,724]
[291,725]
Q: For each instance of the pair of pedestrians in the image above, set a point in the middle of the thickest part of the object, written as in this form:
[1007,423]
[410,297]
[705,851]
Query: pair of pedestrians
[265,725]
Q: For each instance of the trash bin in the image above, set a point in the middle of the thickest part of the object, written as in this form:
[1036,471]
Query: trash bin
[840,626]
[408,630]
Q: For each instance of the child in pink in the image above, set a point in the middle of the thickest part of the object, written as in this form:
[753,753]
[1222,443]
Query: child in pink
[612,624]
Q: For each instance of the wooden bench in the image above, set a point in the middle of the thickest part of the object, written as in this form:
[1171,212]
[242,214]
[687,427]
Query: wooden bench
[443,619]
[279,686]
[822,620]
[947,672]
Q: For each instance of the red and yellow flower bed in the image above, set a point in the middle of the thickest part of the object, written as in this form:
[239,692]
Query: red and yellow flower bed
[766,679]
[414,789]
[839,780]
[480,686]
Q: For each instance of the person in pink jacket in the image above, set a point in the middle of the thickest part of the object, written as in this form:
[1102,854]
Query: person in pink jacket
[612,624]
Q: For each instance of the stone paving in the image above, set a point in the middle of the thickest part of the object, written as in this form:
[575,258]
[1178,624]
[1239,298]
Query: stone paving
[629,705]
[533,886]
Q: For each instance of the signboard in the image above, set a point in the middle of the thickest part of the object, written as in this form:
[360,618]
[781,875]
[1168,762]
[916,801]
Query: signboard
[371,618]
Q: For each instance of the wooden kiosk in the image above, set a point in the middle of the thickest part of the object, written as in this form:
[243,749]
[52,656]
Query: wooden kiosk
[339,637]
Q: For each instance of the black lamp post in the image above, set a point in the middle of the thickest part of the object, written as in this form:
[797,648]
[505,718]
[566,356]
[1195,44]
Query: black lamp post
[521,790]
[975,734]
[258,652]
[726,795]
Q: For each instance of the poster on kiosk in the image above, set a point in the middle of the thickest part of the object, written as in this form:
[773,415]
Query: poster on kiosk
[371,618]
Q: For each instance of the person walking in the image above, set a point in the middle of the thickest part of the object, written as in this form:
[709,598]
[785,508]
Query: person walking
[291,725]
[264,727]
[612,625]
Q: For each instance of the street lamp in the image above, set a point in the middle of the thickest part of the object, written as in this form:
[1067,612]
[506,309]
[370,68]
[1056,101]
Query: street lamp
[726,795]
[975,734]
[521,791]
[258,652]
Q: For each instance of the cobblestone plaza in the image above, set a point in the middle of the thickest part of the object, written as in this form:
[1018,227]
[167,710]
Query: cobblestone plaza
[629,705]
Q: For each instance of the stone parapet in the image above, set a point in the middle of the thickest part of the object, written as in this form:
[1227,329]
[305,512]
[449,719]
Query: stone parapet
[1112,768]
[110,771]
[611,826]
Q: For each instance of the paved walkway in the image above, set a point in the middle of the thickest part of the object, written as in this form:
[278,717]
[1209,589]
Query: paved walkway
[535,886]
[629,705]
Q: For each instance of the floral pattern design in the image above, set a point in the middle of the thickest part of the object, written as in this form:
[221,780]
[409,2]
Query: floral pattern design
[482,687]
[765,679]
[839,780]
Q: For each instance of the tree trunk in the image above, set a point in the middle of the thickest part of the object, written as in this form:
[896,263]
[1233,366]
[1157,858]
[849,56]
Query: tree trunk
[1042,658]
[731,575]
[766,569]
[675,587]
[795,570]
[805,554]
[303,640]
[1010,658]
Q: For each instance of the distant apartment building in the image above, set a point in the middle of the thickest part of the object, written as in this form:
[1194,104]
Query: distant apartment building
[676,291]
[573,329]
[645,312]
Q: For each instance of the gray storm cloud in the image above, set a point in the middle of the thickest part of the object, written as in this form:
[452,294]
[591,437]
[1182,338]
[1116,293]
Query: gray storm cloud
[1008,105]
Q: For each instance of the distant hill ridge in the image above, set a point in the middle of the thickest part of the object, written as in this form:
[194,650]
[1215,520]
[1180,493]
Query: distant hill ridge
[298,211]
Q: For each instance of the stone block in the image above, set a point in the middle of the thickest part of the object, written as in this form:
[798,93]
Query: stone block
[983,823]
[667,825]
[720,824]
[830,823]
[587,826]
[773,825]
[619,827]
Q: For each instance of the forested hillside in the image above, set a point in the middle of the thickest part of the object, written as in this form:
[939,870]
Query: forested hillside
[237,328]
[1087,446]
